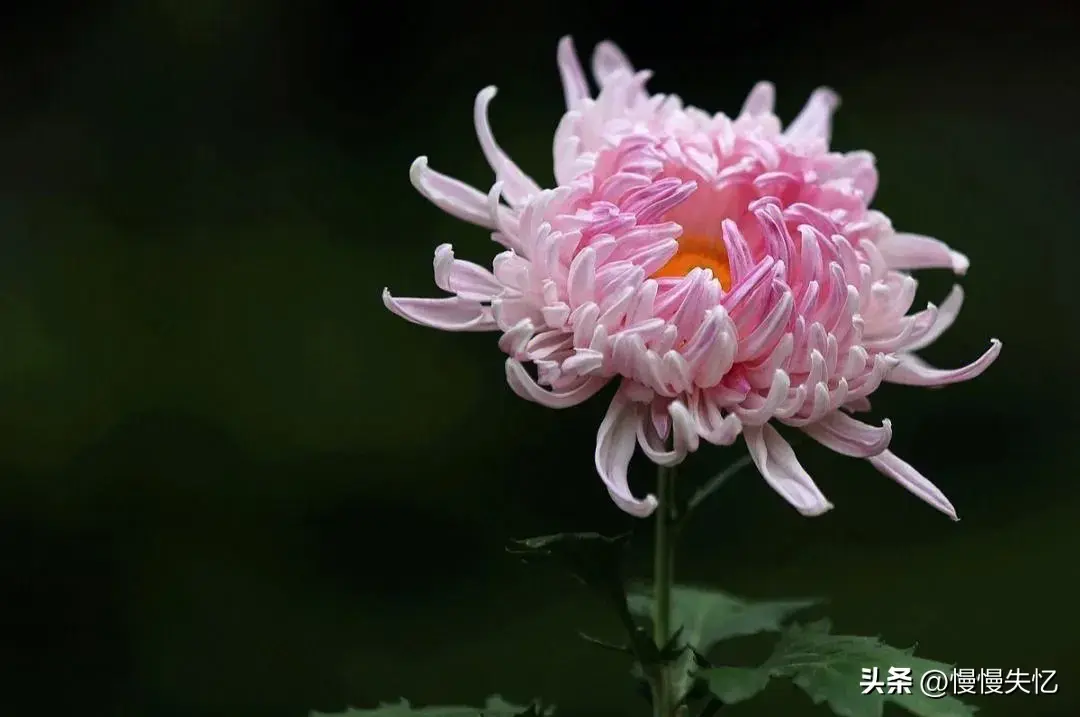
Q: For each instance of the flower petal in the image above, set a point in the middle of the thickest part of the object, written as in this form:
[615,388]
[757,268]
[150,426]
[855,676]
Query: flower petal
[453,196]
[781,469]
[654,446]
[518,187]
[850,437]
[526,387]
[913,371]
[614,448]
[575,85]
[901,472]
[608,61]
[946,315]
[914,251]
[450,314]
[468,280]
[760,101]
[815,119]
[857,405]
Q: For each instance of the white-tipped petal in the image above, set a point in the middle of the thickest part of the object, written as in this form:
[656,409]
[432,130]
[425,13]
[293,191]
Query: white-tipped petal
[913,371]
[614,448]
[815,120]
[850,437]
[449,314]
[914,251]
[781,469]
[760,101]
[575,85]
[652,445]
[526,387]
[468,280]
[946,315]
[518,187]
[451,195]
[608,62]
[889,464]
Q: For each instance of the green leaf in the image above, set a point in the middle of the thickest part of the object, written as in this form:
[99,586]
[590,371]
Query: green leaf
[708,617]
[830,669]
[495,706]
[735,684]
[711,616]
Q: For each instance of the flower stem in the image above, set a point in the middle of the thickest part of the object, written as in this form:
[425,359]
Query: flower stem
[663,579]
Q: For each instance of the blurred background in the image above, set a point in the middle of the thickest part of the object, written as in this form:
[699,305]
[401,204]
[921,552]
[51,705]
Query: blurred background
[231,483]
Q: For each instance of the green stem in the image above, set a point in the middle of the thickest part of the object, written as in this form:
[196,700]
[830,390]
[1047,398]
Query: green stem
[663,579]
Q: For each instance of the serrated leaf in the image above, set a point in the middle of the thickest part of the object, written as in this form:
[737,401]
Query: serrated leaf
[711,616]
[495,706]
[829,668]
[735,684]
[708,617]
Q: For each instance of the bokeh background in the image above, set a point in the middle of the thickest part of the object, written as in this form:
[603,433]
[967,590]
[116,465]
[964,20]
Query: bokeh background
[231,483]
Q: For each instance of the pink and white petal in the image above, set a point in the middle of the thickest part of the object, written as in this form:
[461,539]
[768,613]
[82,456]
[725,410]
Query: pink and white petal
[850,437]
[518,187]
[653,446]
[760,101]
[814,122]
[581,389]
[450,314]
[857,405]
[453,196]
[608,62]
[776,462]
[914,251]
[901,472]
[913,371]
[468,280]
[946,315]
[684,433]
[614,448]
[575,85]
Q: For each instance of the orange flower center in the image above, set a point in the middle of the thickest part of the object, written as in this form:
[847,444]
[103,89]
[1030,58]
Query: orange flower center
[698,251]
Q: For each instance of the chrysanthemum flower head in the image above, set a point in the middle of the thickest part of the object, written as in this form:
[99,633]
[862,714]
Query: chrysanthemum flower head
[728,273]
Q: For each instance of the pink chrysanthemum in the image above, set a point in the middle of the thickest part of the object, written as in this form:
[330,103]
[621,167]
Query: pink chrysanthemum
[727,272]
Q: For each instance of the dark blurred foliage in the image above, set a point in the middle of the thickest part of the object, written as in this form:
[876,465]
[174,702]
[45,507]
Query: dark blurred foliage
[233,484]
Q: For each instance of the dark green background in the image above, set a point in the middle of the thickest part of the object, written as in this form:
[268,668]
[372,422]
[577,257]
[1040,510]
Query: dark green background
[233,484]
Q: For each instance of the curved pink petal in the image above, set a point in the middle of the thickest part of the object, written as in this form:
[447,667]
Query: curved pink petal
[614,448]
[815,120]
[913,371]
[518,187]
[914,481]
[453,196]
[850,437]
[464,278]
[914,251]
[781,469]
[608,61]
[526,387]
[449,314]
[857,405]
[760,100]
[652,445]
[946,315]
[575,85]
